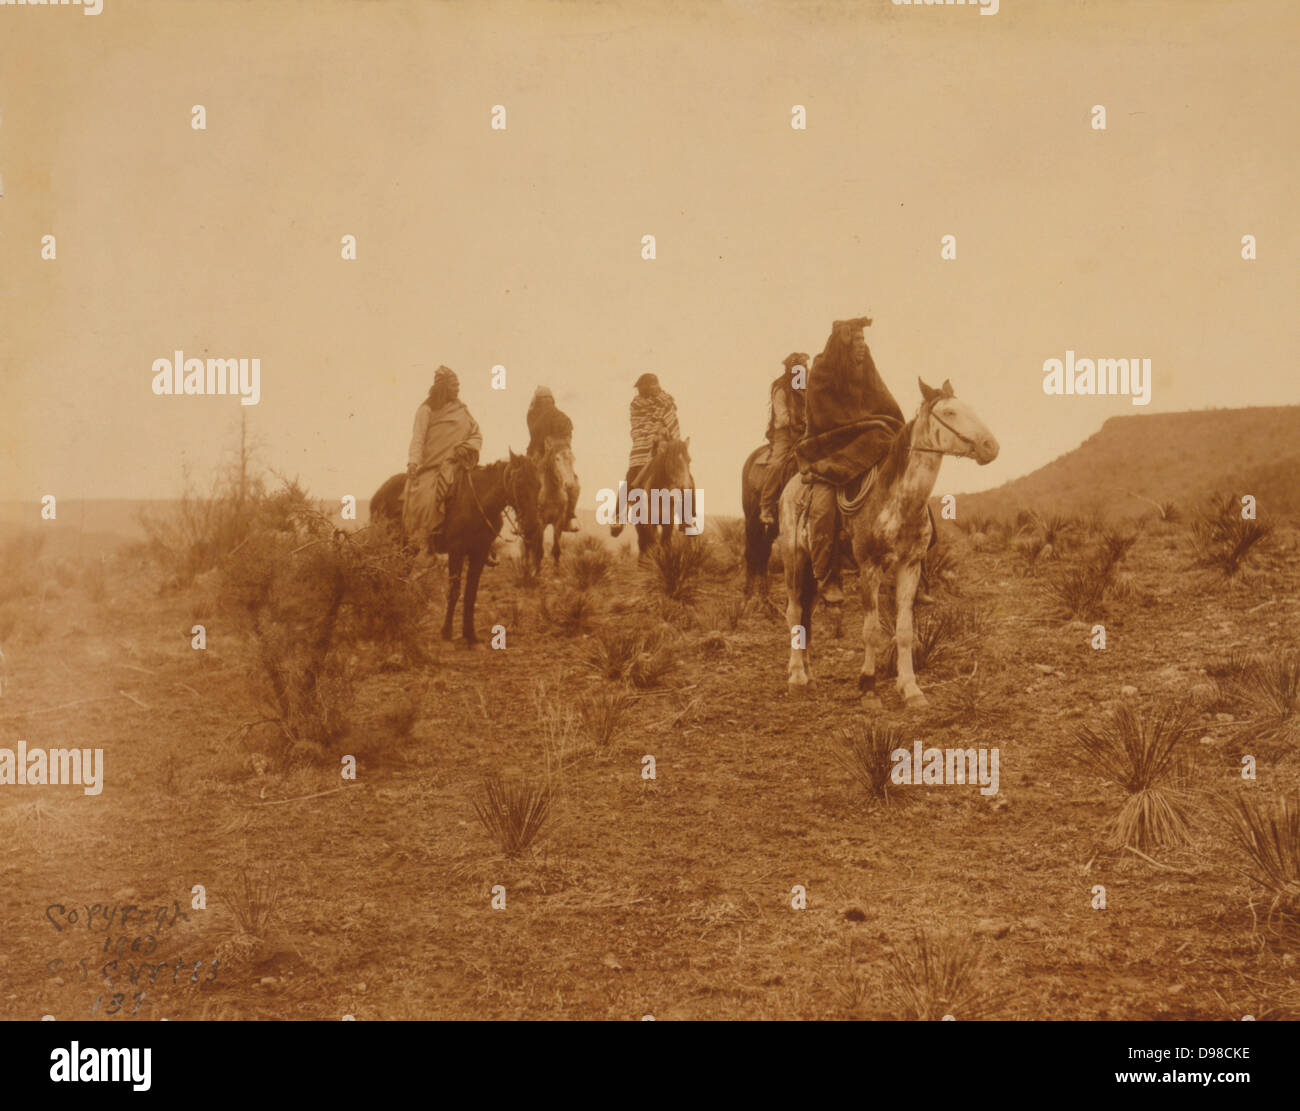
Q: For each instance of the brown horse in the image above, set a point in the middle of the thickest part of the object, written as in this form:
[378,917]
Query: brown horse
[758,536]
[560,490]
[668,473]
[472,520]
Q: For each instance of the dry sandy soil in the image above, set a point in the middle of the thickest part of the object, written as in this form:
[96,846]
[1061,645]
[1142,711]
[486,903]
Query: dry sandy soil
[669,897]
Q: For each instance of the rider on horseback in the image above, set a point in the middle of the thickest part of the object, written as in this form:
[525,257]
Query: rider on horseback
[852,422]
[550,429]
[654,421]
[785,425]
[445,437]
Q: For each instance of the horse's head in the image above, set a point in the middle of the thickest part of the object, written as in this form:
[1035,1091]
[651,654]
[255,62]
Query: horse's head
[523,483]
[947,425]
[673,465]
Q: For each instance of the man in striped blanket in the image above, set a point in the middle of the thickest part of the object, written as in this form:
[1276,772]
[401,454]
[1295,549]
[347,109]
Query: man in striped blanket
[654,421]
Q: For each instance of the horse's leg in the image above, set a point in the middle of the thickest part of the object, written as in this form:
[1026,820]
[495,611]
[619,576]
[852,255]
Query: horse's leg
[870,583]
[476,561]
[909,574]
[455,558]
[800,589]
[557,526]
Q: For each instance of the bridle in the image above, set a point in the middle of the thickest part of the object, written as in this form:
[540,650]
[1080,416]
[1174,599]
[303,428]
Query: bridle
[970,444]
[510,484]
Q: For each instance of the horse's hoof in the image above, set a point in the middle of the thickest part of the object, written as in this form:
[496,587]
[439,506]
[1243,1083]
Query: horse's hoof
[470,645]
[797,690]
[446,634]
[916,702]
[870,700]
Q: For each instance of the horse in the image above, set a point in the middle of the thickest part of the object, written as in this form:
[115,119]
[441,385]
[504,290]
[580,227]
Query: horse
[472,520]
[758,536]
[890,530]
[667,473]
[559,490]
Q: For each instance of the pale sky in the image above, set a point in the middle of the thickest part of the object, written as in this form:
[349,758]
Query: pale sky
[523,247]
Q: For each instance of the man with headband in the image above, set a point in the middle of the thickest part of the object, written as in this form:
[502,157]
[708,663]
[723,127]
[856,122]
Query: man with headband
[445,436]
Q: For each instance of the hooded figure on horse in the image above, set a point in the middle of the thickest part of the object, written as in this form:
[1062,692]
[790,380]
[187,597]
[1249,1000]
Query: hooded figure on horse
[861,465]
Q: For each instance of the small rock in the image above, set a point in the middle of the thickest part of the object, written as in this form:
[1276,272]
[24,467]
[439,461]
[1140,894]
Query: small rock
[853,914]
[1128,691]
[1208,741]
[267,981]
[1046,669]
[611,961]
[58,981]
[1224,717]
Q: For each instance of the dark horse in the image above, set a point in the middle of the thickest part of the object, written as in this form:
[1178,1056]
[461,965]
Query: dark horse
[667,474]
[758,536]
[472,520]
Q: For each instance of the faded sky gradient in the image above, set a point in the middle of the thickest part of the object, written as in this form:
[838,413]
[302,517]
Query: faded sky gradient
[522,247]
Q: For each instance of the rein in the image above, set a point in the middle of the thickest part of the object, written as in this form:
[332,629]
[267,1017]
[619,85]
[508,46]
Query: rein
[469,481]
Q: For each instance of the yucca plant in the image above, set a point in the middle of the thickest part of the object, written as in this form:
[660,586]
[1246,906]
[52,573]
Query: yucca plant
[253,899]
[939,567]
[1229,675]
[865,751]
[514,814]
[602,716]
[1223,539]
[568,611]
[1142,755]
[935,632]
[1270,836]
[1277,682]
[590,563]
[939,975]
[674,568]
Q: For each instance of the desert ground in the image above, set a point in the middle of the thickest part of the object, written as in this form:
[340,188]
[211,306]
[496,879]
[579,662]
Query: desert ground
[673,896]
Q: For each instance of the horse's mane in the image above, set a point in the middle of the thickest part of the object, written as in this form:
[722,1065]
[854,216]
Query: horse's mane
[895,462]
